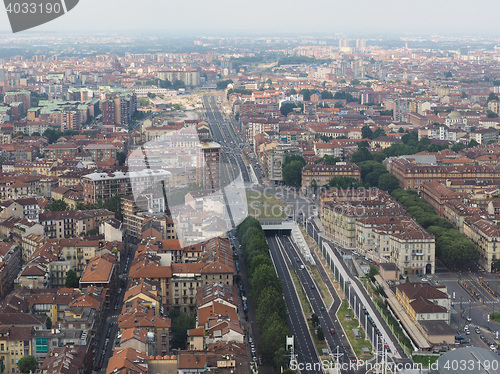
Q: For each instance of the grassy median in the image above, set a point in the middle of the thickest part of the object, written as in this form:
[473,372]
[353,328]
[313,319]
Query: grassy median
[266,206]
[349,322]
[306,307]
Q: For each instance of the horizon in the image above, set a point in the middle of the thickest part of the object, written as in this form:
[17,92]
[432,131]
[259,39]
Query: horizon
[319,17]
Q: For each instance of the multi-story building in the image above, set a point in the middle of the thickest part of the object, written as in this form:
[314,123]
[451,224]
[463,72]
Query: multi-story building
[412,175]
[377,225]
[275,160]
[15,343]
[208,165]
[102,186]
[101,152]
[485,136]
[190,77]
[61,151]
[424,302]
[318,175]
[486,236]
[72,223]
[437,194]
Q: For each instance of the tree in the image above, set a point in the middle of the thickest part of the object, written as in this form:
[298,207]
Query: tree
[366,132]
[338,104]
[362,154]
[292,170]
[378,132]
[472,143]
[401,130]
[314,320]
[492,97]
[497,264]
[306,93]
[180,324]
[344,183]
[27,364]
[272,339]
[48,323]
[372,272]
[388,182]
[328,160]
[355,82]
[57,205]
[292,174]
[269,303]
[222,85]
[458,147]
[263,277]
[114,204]
[319,334]
[326,95]
[71,279]
[287,108]
[93,232]
[52,135]
[121,157]
[491,114]
[314,186]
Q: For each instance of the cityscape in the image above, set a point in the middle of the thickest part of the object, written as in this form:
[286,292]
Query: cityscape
[244,202]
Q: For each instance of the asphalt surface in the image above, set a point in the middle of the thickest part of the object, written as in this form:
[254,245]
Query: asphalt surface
[336,341]
[106,336]
[304,346]
[225,135]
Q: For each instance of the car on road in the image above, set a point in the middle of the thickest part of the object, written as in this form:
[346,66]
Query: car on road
[322,308]
[332,331]
[477,330]
[469,318]
[493,346]
[312,287]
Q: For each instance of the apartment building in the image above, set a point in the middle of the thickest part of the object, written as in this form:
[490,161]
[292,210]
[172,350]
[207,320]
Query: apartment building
[485,235]
[208,165]
[102,186]
[101,152]
[375,224]
[72,223]
[412,175]
[437,194]
[60,151]
[275,160]
[318,175]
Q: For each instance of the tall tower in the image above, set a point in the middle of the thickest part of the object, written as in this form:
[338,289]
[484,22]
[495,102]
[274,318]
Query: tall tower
[361,45]
[208,165]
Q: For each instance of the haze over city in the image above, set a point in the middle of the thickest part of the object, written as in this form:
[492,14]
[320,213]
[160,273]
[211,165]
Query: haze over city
[260,16]
[259,187]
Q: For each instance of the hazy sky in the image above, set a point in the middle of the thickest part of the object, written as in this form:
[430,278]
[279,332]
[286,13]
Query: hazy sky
[293,16]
